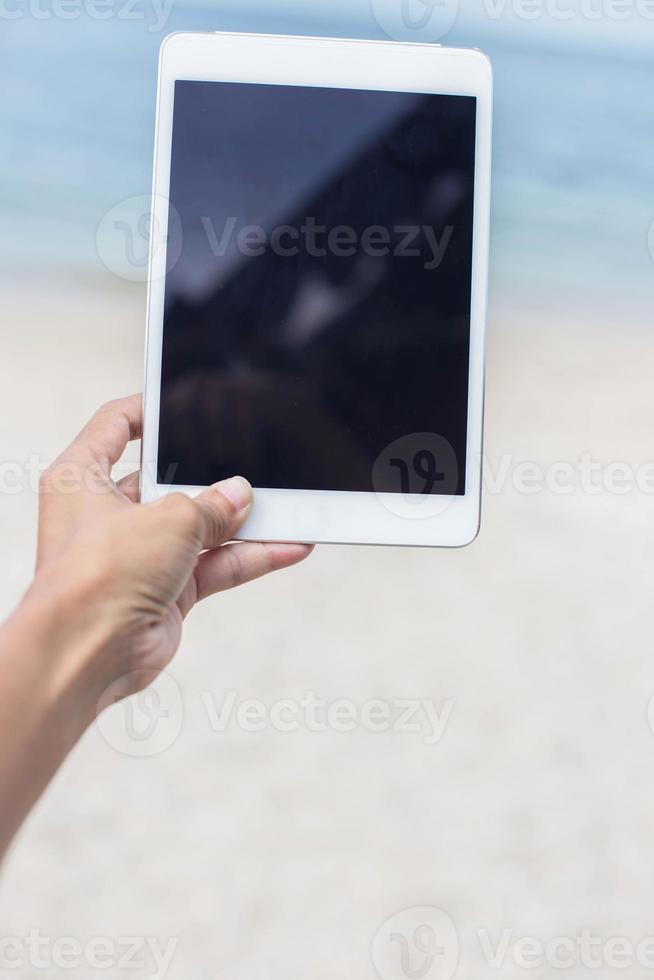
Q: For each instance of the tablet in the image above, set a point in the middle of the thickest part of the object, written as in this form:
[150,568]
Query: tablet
[317,288]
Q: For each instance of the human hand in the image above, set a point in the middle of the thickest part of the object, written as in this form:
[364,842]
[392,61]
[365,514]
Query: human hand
[119,577]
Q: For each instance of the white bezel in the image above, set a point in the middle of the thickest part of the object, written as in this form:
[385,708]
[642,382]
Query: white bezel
[330,516]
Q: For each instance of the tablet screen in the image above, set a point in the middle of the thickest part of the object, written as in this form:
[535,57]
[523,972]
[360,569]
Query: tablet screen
[317,300]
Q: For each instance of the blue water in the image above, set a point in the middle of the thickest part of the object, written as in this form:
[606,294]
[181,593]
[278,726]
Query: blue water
[573,162]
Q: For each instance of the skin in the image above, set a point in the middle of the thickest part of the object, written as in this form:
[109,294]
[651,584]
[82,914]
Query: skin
[114,581]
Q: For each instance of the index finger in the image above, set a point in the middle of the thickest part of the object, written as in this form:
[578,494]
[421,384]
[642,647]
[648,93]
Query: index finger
[104,438]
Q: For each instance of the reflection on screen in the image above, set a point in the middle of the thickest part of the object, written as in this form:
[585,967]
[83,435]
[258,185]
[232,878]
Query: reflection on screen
[319,310]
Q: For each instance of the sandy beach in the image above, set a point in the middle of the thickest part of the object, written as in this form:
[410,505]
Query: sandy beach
[276,853]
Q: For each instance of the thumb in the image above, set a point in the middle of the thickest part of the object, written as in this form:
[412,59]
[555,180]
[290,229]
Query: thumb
[223,509]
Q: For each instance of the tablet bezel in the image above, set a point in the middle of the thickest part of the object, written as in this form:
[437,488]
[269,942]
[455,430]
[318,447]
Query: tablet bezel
[309,515]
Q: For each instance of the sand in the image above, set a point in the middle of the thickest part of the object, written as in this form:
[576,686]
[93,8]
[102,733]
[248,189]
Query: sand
[278,854]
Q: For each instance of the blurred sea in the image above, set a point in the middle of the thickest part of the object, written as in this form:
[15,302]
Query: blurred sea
[573,157]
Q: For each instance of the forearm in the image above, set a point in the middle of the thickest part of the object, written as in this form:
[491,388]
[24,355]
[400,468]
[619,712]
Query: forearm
[104,615]
[46,702]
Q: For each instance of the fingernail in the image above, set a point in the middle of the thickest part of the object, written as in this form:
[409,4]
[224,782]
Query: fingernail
[237,490]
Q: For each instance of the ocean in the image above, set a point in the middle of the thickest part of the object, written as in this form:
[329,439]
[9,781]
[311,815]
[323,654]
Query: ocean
[573,182]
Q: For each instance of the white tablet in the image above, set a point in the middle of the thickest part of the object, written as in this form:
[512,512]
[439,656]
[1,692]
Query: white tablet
[318,278]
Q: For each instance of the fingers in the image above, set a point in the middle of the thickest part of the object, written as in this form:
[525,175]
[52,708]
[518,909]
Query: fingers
[104,438]
[224,507]
[236,564]
[212,518]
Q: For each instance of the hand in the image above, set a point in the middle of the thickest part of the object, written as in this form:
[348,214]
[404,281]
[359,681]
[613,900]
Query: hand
[122,576]
[114,581]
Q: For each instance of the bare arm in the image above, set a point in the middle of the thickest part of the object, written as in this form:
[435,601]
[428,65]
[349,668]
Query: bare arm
[114,581]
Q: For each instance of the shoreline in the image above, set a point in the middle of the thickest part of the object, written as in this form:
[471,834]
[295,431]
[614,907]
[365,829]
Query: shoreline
[95,293]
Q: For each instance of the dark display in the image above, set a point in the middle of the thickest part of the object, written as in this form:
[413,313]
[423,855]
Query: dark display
[319,310]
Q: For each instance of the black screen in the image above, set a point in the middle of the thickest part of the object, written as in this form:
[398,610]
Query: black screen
[317,298]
